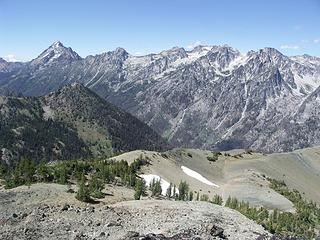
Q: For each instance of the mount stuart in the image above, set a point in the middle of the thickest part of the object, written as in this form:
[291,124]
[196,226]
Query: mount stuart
[211,97]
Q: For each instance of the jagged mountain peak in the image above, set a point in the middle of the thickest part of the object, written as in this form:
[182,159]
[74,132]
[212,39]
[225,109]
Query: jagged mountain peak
[270,50]
[2,60]
[218,56]
[3,64]
[119,55]
[224,48]
[201,48]
[57,52]
[307,60]
[268,56]
[120,51]
[174,50]
[57,44]
[267,52]
[173,54]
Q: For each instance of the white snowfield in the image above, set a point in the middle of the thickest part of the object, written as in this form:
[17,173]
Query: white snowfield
[197,176]
[164,184]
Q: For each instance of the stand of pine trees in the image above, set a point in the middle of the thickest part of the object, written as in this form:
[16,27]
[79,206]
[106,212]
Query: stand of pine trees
[91,176]
[304,223]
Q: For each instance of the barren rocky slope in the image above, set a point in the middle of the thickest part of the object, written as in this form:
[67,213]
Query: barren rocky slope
[26,214]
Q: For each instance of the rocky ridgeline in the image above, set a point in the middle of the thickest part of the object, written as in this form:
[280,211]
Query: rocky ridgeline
[71,123]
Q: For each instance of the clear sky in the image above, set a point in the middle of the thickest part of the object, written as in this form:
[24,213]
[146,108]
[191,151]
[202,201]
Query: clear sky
[27,27]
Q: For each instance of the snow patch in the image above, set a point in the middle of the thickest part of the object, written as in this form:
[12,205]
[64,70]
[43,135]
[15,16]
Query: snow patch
[164,184]
[197,176]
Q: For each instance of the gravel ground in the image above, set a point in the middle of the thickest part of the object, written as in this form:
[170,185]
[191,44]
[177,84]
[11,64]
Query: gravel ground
[30,213]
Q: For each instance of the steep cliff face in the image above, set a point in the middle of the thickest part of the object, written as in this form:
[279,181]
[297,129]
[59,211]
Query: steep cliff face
[209,97]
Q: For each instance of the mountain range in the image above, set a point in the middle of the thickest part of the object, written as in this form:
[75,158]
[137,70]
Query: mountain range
[211,97]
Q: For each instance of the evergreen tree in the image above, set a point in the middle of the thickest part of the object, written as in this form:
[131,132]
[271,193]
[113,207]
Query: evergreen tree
[204,198]
[24,172]
[175,193]
[183,191]
[95,186]
[3,169]
[198,196]
[217,199]
[83,193]
[169,191]
[139,189]
[62,173]
[190,196]
[228,202]
[155,187]
[42,172]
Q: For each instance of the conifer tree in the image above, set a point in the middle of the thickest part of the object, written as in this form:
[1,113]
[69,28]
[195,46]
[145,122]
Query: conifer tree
[96,186]
[139,189]
[155,187]
[42,172]
[169,191]
[217,199]
[190,196]
[83,193]
[183,191]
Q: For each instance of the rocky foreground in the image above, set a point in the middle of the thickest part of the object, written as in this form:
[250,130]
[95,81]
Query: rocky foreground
[33,214]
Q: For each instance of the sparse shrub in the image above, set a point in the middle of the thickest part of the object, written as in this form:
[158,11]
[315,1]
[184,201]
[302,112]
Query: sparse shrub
[214,157]
[69,188]
[249,151]
[164,155]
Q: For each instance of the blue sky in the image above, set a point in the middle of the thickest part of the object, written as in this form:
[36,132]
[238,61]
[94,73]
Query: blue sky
[27,27]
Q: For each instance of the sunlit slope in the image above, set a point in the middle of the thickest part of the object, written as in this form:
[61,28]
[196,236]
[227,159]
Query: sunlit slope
[238,173]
